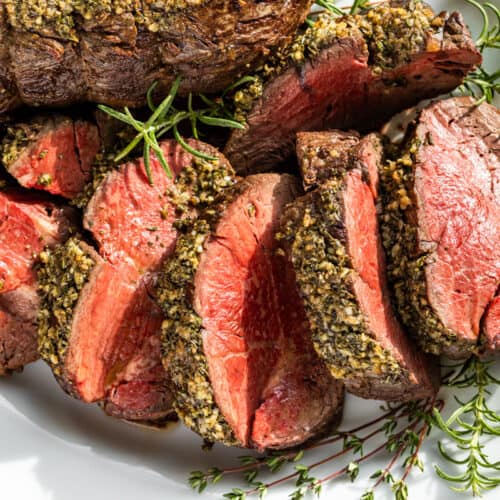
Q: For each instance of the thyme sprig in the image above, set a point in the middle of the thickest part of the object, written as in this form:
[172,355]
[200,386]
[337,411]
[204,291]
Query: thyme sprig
[468,427]
[402,441]
[166,118]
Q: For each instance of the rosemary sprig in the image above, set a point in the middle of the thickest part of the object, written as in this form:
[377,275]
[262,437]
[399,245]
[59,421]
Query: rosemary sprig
[166,118]
[467,428]
[402,441]
[481,84]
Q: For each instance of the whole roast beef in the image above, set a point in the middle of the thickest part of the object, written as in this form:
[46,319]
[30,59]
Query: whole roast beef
[100,327]
[53,153]
[28,224]
[236,340]
[441,225]
[349,72]
[56,54]
[331,237]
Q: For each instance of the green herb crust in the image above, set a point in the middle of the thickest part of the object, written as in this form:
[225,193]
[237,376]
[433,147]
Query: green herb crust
[393,32]
[16,139]
[60,18]
[182,329]
[406,266]
[62,274]
[205,186]
[314,237]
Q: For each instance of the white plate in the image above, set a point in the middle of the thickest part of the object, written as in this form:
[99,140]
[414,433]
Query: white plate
[55,448]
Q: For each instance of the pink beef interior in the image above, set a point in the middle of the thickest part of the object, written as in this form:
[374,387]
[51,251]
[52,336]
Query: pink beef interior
[458,217]
[253,329]
[65,151]
[130,219]
[27,225]
[370,286]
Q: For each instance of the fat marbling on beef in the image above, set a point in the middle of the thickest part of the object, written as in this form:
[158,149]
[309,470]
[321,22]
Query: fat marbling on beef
[331,237]
[60,53]
[236,339]
[28,224]
[441,225]
[100,326]
[349,72]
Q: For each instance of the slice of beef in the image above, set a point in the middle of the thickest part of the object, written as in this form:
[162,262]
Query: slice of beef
[18,337]
[331,236]
[442,219]
[53,153]
[349,72]
[237,343]
[97,327]
[112,52]
[27,225]
[105,346]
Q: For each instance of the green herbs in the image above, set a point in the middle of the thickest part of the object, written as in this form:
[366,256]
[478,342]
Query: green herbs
[166,118]
[468,428]
[399,431]
[481,84]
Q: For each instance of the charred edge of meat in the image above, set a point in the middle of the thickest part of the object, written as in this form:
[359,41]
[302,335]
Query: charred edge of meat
[314,238]
[63,273]
[393,33]
[182,341]
[62,19]
[405,270]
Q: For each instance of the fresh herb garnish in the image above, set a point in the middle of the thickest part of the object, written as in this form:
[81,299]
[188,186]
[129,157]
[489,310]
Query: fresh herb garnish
[166,118]
[467,428]
[481,84]
[404,428]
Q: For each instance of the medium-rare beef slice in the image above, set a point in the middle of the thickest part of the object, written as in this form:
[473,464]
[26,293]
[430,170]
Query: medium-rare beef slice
[331,237]
[349,72]
[113,354]
[18,344]
[51,153]
[235,338]
[441,224]
[112,52]
[27,225]
[131,219]
[97,330]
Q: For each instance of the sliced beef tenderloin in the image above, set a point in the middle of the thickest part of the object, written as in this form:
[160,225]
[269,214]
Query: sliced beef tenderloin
[18,331]
[98,328]
[441,224]
[52,153]
[331,237]
[236,340]
[112,52]
[106,345]
[27,225]
[349,72]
